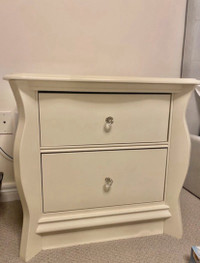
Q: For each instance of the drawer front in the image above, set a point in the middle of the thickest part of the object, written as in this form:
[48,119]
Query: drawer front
[73,181]
[80,119]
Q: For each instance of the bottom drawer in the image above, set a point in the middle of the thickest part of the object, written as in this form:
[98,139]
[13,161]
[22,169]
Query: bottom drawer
[74,181]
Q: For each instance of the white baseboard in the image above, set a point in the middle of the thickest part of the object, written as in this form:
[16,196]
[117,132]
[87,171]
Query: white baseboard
[8,192]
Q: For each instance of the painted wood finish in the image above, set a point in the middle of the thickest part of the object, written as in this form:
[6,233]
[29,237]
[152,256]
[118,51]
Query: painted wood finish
[60,180]
[75,181]
[136,118]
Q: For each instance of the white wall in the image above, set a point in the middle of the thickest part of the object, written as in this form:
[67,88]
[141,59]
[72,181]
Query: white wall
[93,37]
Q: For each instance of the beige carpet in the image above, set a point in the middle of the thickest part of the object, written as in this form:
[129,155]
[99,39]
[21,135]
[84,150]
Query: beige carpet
[154,249]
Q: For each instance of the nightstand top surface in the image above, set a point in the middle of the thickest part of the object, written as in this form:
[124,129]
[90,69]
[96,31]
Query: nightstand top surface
[100,79]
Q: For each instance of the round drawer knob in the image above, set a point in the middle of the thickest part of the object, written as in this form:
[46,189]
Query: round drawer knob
[108,123]
[108,184]
[109,120]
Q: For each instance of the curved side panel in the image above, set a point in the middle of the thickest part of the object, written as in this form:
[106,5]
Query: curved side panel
[178,162]
[27,167]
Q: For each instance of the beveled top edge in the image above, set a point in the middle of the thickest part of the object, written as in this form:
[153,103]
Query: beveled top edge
[120,79]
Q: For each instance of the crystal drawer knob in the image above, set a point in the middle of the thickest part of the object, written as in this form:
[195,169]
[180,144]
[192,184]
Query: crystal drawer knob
[108,184]
[109,120]
[108,124]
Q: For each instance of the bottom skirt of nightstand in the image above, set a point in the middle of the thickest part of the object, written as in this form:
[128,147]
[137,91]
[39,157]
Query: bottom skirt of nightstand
[102,234]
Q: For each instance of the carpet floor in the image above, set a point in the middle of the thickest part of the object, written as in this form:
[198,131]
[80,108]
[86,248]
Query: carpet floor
[153,249]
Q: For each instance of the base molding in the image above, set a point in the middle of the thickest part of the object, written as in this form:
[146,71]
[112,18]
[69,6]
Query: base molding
[102,234]
[66,222]
[87,227]
[8,192]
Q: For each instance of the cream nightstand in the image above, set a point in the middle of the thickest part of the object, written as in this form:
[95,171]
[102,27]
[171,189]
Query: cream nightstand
[99,158]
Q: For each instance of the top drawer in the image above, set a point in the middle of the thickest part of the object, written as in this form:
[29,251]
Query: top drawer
[81,118]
